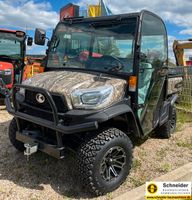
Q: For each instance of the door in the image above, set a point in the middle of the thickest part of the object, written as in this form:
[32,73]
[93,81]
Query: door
[153,59]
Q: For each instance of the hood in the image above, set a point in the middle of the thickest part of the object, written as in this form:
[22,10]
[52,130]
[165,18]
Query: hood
[7,73]
[65,82]
[5,65]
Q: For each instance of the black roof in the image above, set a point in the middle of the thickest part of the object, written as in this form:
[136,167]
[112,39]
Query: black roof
[108,18]
[102,18]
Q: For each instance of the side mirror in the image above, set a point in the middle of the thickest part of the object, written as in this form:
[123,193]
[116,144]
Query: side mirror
[29,41]
[40,36]
[20,34]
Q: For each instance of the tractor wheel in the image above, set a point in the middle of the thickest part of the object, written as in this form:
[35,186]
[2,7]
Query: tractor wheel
[12,136]
[167,129]
[104,160]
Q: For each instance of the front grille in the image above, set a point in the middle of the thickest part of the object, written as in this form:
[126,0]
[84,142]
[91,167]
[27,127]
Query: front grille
[30,98]
[38,113]
[6,78]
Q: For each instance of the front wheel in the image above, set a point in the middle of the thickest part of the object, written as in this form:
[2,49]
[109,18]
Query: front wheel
[104,160]
[12,136]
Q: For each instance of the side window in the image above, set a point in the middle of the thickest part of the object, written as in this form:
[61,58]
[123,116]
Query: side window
[153,55]
[153,41]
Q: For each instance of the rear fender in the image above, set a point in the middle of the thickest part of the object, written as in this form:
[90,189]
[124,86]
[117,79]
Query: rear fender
[166,109]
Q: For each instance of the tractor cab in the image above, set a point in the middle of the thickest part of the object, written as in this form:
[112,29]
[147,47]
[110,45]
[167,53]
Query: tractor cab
[12,52]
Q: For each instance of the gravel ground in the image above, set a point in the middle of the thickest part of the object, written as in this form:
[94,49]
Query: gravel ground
[45,178]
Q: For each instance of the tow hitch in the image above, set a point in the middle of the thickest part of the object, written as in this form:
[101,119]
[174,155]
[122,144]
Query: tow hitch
[31,148]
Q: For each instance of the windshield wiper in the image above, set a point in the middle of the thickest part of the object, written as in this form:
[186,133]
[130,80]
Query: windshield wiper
[119,66]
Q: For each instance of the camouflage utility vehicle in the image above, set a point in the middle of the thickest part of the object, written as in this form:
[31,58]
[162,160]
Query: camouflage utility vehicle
[106,83]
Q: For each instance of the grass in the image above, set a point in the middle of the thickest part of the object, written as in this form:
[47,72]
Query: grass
[109,195]
[142,154]
[182,118]
[185,144]
[185,106]
[137,181]
[166,167]
[161,153]
[136,164]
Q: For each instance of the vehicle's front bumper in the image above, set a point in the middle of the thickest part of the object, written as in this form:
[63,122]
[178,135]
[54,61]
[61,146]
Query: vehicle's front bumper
[55,124]
[83,121]
[50,149]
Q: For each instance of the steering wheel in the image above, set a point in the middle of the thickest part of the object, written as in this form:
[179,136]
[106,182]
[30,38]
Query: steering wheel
[116,63]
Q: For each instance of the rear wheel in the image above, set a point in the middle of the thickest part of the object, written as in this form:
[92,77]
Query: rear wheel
[12,136]
[169,127]
[104,160]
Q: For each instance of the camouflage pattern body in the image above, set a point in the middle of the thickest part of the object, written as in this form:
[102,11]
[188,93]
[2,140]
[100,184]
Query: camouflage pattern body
[65,82]
[174,85]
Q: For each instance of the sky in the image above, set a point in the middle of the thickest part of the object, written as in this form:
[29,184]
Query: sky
[28,15]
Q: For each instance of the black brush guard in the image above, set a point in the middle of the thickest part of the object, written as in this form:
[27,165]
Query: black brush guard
[56,125]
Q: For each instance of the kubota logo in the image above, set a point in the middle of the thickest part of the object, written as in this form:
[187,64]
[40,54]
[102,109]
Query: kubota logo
[40,98]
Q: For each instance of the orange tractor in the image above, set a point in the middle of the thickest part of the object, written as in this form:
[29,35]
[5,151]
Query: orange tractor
[12,57]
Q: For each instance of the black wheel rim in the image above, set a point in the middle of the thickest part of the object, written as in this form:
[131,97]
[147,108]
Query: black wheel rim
[113,163]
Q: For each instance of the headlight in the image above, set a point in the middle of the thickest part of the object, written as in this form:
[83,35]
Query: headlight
[93,98]
[8,72]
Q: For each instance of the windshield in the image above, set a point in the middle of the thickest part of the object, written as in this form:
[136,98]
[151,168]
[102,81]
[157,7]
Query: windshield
[107,47]
[10,46]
